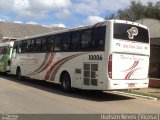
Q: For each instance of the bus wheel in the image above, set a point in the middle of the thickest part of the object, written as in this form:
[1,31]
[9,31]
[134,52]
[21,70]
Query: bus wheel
[66,82]
[19,77]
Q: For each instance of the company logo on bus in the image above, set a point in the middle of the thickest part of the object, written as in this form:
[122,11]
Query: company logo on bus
[132,32]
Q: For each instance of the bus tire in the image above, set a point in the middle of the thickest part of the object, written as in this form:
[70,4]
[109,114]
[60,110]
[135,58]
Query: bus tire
[65,82]
[18,74]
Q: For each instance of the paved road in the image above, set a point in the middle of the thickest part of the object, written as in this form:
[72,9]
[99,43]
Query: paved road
[32,96]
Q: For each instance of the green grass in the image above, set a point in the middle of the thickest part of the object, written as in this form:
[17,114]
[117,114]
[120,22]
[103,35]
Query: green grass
[145,94]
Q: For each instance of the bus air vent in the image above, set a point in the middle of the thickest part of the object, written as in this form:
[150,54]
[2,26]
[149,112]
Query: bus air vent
[90,77]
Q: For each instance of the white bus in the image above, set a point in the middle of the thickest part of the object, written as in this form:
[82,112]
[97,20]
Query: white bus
[109,55]
[5,56]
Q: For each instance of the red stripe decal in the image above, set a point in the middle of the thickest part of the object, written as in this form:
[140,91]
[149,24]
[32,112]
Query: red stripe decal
[130,73]
[52,67]
[58,62]
[47,64]
[133,66]
[47,56]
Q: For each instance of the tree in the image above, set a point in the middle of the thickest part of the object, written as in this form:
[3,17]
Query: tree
[112,16]
[122,14]
[157,10]
[137,10]
[149,10]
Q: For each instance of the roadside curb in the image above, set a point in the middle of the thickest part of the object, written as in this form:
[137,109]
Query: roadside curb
[135,95]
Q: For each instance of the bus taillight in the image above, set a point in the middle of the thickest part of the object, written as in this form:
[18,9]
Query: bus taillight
[110,67]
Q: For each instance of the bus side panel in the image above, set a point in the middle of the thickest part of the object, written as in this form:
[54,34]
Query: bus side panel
[70,65]
[94,71]
[28,63]
[76,65]
[32,64]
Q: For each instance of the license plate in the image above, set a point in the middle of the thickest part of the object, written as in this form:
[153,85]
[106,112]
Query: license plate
[131,85]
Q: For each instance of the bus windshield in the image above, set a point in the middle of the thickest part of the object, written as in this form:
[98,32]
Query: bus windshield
[130,32]
[4,50]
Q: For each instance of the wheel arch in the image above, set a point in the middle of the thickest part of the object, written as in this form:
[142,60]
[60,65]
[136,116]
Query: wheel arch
[64,72]
[18,67]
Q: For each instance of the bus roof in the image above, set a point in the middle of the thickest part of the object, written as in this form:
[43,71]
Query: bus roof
[7,43]
[130,22]
[84,27]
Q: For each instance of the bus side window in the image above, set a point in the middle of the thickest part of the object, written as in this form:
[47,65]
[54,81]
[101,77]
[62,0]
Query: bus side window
[20,47]
[29,45]
[57,42]
[15,47]
[24,46]
[66,39]
[86,38]
[98,42]
[8,49]
[75,43]
[5,49]
[37,45]
[2,50]
[50,43]
[32,46]
[44,44]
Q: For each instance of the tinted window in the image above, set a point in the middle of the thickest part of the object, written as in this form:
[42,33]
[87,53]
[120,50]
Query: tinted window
[98,42]
[130,32]
[50,43]
[37,44]
[24,46]
[32,46]
[57,42]
[4,50]
[29,46]
[66,39]
[75,44]
[44,44]
[86,38]
[15,47]
[20,47]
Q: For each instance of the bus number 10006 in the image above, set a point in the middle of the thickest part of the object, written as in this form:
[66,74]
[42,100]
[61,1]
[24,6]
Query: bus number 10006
[95,57]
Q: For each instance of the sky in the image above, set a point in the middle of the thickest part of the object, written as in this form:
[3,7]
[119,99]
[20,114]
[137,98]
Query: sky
[63,13]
